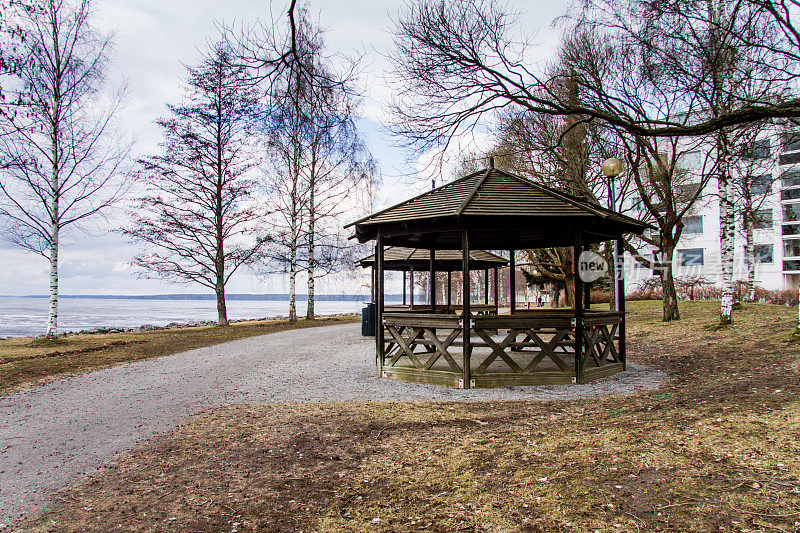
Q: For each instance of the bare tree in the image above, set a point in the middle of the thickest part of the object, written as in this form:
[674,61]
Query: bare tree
[200,217]
[61,156]
[456,61]
[319,162]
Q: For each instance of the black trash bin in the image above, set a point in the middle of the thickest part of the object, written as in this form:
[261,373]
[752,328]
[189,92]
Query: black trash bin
[368,320]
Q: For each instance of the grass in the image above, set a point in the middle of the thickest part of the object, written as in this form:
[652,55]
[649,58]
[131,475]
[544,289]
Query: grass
[25,361]
[715,449]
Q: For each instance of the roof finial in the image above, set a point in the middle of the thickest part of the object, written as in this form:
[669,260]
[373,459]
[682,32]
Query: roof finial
[491,161]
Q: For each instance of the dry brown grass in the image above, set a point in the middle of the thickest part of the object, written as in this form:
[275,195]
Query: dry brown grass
[24,361]
[716,449]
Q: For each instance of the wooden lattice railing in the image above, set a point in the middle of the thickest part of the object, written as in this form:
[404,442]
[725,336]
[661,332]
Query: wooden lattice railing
[525,348]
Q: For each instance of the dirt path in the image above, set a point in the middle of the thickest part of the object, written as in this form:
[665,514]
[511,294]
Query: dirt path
[52,434]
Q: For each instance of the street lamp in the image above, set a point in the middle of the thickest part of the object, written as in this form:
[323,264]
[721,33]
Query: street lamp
[612,167]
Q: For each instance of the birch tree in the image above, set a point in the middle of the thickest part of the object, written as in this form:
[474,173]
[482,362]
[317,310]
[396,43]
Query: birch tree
[62,158]
[200,219]
[318,160]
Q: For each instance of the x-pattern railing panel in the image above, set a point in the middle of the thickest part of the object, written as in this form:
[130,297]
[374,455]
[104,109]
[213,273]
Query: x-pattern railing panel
[599,345]
[408,338]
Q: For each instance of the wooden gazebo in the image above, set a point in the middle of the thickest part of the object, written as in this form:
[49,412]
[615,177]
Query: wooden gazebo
[496,210]
[411,260]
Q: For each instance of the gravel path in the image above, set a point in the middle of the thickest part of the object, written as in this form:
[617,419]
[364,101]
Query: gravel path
[54,433]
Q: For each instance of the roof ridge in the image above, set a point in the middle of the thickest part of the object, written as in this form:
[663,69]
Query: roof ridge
[404,202]
[471,195]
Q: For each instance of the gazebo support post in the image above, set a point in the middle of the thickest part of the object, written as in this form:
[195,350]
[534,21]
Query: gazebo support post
[496,288]
[411,288]
[466,315]
[449,290]
[404,287]
[577,298]
[512,280]
[379,304]
[486,286]
[620,302]
[432,281]
[372,284]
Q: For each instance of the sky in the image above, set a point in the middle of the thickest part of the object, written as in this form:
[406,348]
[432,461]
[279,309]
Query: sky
[154,41]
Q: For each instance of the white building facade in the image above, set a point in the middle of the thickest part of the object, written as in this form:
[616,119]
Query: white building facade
[777,229]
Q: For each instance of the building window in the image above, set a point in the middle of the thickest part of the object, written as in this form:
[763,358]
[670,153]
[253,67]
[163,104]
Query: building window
[761,184]
[793,265]
[759,149]
[791,179]
[761,252]
[790,194]
[691,160]
[791,213]
[791,248]
[790,141]
[763,219]
[691,257]
[791,230]
[693,225]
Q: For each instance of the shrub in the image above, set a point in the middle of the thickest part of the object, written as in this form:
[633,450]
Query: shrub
[600,297]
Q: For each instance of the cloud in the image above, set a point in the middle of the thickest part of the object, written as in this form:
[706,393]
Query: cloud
[154,40]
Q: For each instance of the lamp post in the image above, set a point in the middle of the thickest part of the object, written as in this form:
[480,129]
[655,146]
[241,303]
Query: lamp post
[612,167]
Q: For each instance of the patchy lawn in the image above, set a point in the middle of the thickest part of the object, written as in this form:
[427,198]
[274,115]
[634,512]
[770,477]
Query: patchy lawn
[24,361]
[716,449]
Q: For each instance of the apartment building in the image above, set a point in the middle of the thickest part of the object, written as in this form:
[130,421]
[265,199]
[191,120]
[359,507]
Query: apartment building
[776,181]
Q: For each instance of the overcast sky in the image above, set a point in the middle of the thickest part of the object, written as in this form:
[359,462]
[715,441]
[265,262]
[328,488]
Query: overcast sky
[154,39]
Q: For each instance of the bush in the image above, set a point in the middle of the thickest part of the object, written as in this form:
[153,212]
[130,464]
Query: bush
[600,297]
[651,290]
[786,297]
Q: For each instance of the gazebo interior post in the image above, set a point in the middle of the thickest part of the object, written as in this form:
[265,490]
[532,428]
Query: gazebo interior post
[379,303]
[466,315]
[432,280]
[404,287]
[372,283]
[620,301]
[496,288]
[512,280]
[486,286]
[411,287]
[449,289]
[577,298]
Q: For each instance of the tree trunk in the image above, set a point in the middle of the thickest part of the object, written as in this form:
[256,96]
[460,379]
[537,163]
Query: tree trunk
[727,230]
[669,294]
[52,315]
[293,286]
[749,250]
[311,261]
[222,311]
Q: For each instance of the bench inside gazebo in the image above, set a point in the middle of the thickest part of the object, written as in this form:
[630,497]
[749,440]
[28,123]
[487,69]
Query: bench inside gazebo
[496,210]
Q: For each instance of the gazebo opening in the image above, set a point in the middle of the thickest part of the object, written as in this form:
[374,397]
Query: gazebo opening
[471,346]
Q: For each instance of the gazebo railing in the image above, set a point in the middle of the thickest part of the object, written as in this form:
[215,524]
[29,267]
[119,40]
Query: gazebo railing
[527,348]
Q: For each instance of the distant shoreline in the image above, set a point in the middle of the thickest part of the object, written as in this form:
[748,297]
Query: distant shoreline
[274,297]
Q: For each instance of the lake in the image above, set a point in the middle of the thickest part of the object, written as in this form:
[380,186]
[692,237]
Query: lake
[27,316]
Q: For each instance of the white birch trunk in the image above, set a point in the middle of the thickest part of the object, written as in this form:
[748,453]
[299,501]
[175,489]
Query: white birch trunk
[311,260]
[727,230]
[749,250]
[52,315]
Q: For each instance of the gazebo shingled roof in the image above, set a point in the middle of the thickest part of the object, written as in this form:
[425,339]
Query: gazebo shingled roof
[399,258]
[498,200]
